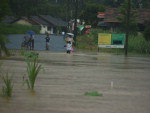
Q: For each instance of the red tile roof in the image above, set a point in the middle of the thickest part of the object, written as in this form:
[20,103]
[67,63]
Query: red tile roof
[111,14]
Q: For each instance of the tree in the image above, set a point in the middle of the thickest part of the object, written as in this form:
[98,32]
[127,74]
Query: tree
[28,7]
[4,8]
[89,14]
[129,24]
[3,41]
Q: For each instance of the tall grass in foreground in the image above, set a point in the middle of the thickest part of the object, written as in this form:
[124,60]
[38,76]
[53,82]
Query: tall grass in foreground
[139,45]
[33,68]
[8,86]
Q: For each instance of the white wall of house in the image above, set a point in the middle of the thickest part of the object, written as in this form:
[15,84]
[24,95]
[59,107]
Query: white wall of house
[44,30]
[52,30]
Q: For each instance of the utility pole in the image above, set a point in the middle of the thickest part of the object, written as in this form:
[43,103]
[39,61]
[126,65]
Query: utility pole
[128,25]
[75,23]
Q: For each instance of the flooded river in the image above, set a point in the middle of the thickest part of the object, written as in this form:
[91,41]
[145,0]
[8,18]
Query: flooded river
[64,79]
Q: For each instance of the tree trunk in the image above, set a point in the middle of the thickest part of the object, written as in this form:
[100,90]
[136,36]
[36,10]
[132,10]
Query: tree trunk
[127,28]
[75,24]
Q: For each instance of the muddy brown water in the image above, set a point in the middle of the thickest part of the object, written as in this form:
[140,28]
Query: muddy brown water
[61,84]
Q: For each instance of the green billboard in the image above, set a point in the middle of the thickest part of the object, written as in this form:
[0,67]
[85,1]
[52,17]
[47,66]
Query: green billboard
[111,40]
[117,39]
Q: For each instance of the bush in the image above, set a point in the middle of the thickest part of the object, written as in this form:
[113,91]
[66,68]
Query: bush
[88,41]
[138,44]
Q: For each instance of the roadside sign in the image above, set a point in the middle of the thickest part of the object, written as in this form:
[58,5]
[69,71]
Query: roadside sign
[111,40]
[104,39]
[118,39]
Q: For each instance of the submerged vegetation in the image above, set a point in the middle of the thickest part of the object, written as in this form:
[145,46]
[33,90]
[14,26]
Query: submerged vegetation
[33,68]
[8,86]
[94,93]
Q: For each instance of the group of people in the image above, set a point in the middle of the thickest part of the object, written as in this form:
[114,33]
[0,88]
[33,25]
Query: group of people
[28,42]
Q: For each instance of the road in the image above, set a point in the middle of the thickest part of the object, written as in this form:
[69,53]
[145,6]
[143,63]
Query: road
[56,44]
[64,79]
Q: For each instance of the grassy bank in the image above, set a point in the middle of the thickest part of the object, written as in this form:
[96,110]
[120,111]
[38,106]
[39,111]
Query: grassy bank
[16,28]
[136,44]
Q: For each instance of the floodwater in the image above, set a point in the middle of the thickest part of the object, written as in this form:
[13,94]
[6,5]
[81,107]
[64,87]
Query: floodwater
[56,43]
[64,79]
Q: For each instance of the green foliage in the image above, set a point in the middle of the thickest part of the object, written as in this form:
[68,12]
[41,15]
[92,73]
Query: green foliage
[89,41]
[90,13]
[94,93]
[8,85]
[145,3]
[36,7]
[139,45]
[30,55]
[28,7]
[65,8]
[131,26]
[16,28]
[147,33]
[33,68]
[4,8]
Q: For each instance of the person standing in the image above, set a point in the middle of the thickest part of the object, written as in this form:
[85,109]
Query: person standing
[68,47]
[47,38]
[32,42]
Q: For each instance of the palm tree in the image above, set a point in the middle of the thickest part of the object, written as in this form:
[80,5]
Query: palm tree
[3,41]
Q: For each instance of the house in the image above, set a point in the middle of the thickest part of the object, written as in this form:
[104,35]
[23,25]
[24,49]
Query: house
[43,24]
[110,20]
[23,21]
[33,21]
[46,23]
[56,25]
